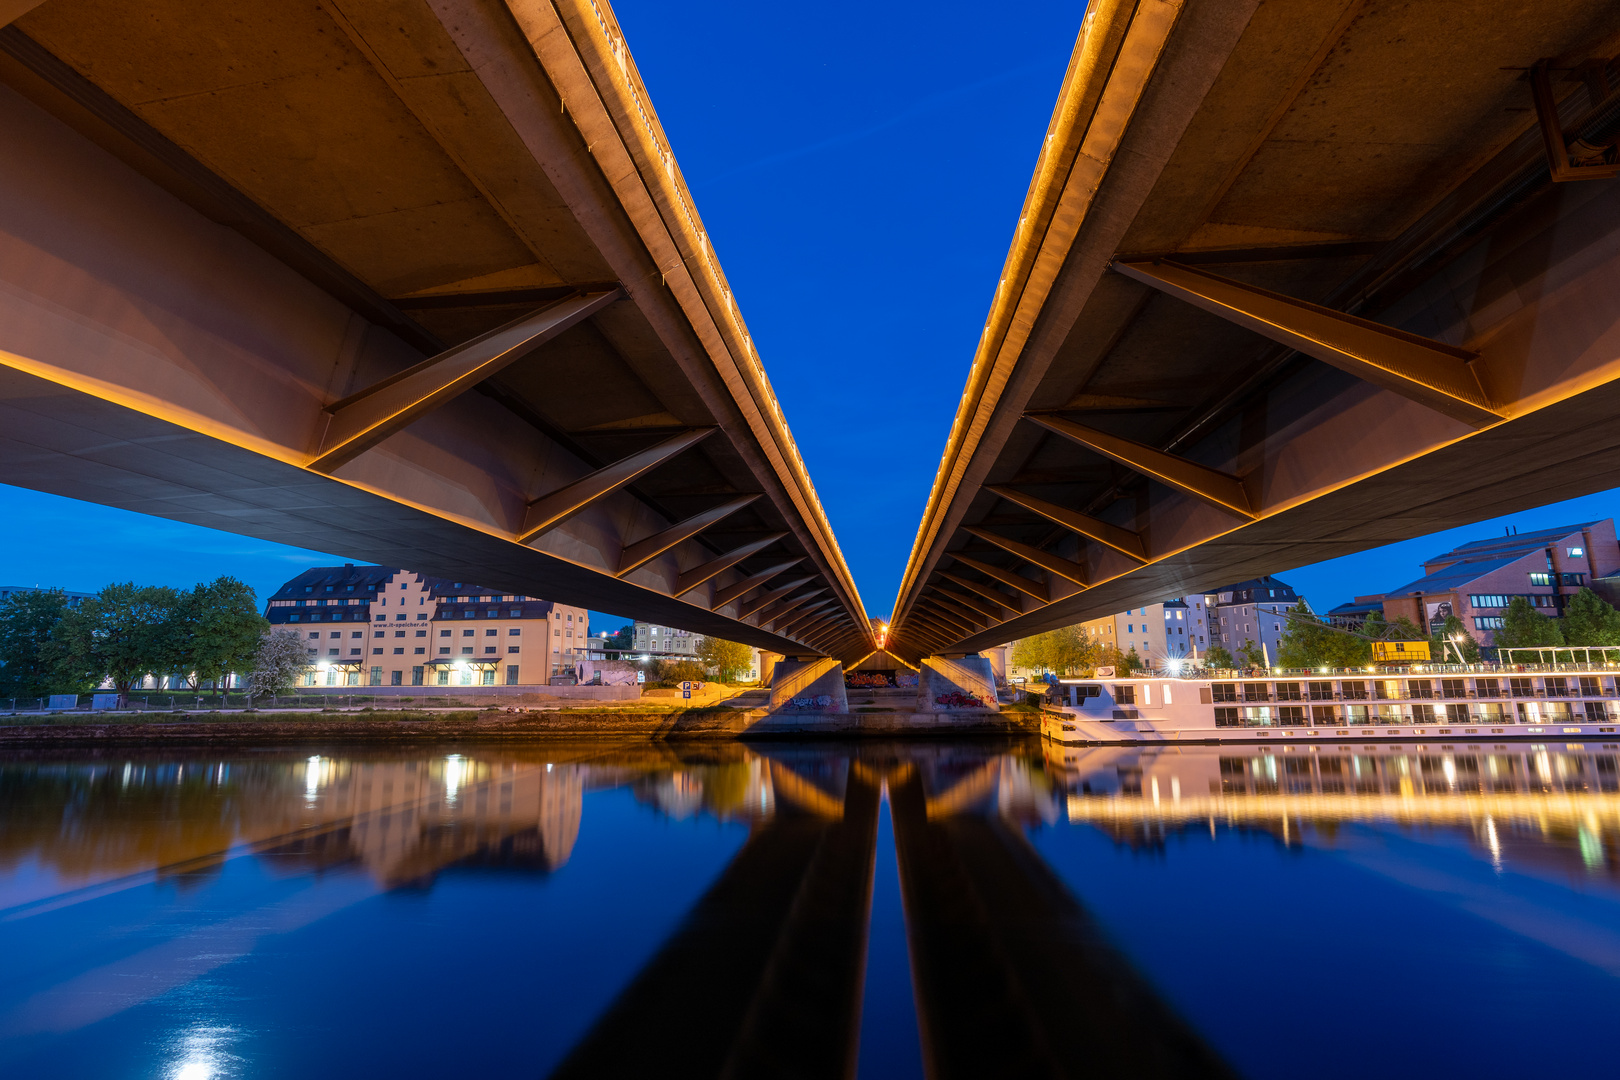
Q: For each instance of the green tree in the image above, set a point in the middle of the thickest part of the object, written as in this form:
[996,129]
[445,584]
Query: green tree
[1065,651]
[1133,662]
[123,633]
[727,659]
[1452,639]
[1031,653]
[669,672]
[1590,620]
[622,639]
[1404,629]
[277,663]
[1218,657]
[1309,642]
[217,631]
[1252,655]
[1525,627]
[26,622]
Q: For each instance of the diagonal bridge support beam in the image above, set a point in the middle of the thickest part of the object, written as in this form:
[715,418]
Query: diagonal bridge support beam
[644,551]
[1027,586]
[1056,564]
[1121,540]
[696,576]
[361,421]
[549,511]
[1433,373]
[1221,490]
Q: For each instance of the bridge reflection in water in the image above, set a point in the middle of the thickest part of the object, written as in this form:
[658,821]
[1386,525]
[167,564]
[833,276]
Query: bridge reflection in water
[764,974]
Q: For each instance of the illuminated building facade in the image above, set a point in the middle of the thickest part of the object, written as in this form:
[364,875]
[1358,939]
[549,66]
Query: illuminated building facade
[382,626]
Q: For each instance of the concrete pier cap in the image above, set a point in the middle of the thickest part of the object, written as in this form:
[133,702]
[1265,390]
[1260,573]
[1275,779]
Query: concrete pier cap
[813,684]
[956,683]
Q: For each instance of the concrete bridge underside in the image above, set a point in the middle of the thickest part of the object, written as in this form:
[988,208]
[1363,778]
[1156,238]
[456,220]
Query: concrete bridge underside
[1292,280]
[416,282]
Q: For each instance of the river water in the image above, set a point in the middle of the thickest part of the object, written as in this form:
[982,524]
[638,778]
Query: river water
[772,909]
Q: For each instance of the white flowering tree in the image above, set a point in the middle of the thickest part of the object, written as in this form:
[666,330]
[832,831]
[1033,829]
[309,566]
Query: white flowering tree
[281,659]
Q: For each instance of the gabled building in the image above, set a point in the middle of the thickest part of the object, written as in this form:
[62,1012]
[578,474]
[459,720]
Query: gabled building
[382,626]
[1477,580]
[1250,611]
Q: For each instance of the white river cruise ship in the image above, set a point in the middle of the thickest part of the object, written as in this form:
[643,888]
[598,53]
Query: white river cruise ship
[1486,701]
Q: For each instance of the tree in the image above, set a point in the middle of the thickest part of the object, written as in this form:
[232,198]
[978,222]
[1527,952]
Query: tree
[623,639]
[26,622]
[277,663]
[123,633]
[1217,656]
[1133,662]
[1525,627]
[1308,642]
[1590,620]
[1453,639]
[1252,655]
[727,659]
[217,631]
[1064,651]
[669,672]
[1404,629]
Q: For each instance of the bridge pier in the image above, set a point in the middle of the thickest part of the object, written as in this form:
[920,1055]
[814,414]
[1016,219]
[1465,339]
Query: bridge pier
[812,684]
[954,684]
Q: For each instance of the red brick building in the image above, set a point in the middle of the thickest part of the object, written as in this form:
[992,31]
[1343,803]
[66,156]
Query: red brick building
[1477,580]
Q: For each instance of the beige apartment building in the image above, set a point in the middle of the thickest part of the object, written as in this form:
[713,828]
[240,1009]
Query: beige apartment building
[383,626]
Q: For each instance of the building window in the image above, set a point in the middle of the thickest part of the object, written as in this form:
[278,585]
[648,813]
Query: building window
[416,676]
[419,650]
[444,651]
[376,652]
[491,632]
[515,631]
[511,674]
[399,652]
[396,678]
[466,650]
[444,633]
[468,633]
[1488,622]
[490,648]
[511,648]
[1488,600]
[1541,579]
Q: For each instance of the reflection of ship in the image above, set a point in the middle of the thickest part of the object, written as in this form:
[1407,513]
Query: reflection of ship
[1545,805]
[1481,701]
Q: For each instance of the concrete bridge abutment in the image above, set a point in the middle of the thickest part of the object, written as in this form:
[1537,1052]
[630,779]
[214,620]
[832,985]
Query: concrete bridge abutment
[808,685]
[948,684]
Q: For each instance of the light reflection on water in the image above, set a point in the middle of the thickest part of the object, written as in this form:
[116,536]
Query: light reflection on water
[587,910]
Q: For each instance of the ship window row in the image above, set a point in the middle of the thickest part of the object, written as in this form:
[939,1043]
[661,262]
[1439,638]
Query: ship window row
[1414,689]
[1349,716]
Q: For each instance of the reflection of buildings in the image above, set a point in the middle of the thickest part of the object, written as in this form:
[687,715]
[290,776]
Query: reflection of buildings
[404,821]
[401,819]
[740,790]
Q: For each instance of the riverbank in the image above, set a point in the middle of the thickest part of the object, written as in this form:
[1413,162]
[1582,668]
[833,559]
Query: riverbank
[644,723]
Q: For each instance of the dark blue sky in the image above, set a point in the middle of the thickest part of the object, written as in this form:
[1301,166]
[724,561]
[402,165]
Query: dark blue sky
[860,168]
